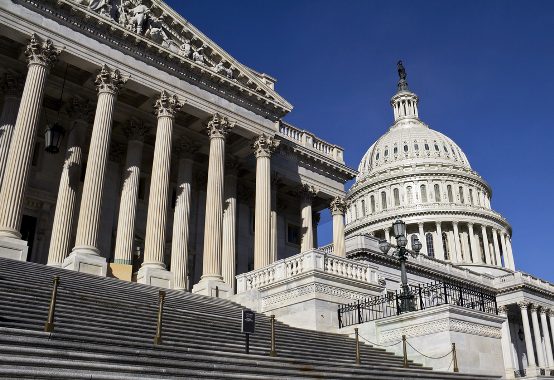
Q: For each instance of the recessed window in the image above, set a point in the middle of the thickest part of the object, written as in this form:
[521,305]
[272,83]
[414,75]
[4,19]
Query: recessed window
[395,149]
[416,147]
[430,247]
[396,194]
[386,151]
[383,200]
[409,195]
[461,191]
[436,147]
[426,146]
[372,202]
[445,149]
[450,195]
[445,246]
[377,156]
[363,208]
[423,189]
[437,193]
[405,148]
[293,234]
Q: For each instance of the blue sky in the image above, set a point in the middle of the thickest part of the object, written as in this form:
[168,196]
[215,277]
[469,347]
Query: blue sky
[482,70]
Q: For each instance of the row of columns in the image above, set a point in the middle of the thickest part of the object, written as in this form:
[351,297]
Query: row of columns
[500,239]
[544,357]
[219,221]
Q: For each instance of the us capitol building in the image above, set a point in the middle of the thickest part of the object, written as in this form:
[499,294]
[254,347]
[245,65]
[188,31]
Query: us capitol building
[134,147]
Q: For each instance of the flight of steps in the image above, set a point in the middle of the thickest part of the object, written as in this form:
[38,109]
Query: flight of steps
[104,329]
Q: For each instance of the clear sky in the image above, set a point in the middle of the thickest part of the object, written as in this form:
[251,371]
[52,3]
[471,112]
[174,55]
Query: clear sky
[482,70]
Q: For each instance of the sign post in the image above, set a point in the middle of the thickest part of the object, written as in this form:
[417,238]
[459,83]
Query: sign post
[248,326]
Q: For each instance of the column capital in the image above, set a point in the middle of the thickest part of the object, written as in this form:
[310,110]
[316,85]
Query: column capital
[167,105]
[543,310]
[135,130]
[470,225]
[186,147]
[455,223]
[12,84]
[219,126]
[338,206]
[109,81]
[42,53]
[533,307]
[503,310]
[79,108]
[523,305]
[420,224]
[264,146]
[307,192]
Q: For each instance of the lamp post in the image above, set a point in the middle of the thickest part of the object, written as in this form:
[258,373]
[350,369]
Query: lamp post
[399,228]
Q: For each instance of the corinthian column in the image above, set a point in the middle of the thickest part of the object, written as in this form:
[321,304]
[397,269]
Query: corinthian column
[547,342]
[211,282]
[122,267]
[506,341]
[229,224]
[153,271]
[40,56]
[85,256]
[180,240]
[338,208]
[62,229]
[263,147]
[307,194]
[537,333]
[496,247]
[527,333]
[12,86]
[510,253]
[275,182]
[488,258]
[475,254]
[439,249]
[457,244]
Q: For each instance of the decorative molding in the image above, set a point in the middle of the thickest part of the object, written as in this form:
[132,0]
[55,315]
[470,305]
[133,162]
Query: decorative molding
[41,52]
[167,105]
[438,326]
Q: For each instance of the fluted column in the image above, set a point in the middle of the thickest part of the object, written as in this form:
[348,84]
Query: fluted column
[229,255]
[506,341]
[510,253]
[475,254]
[527,332]
[457,244]
[485,238]
[504,250]
[135,132]
[275,181]
[211,282]
[108,83]
[547,342]
[40,56]
[338,208]
[550,314]
[12,87]
[62,229]
[263,147]
[387,234]
[496,247]
[439,250]
[153,270]
[537,334]
[307,194]
[181,220]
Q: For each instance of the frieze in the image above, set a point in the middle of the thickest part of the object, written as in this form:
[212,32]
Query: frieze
[155,33]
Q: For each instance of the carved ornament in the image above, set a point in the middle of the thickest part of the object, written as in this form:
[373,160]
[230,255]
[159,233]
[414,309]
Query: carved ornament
[109,81]
[167,105]
[264,146]
[41,52]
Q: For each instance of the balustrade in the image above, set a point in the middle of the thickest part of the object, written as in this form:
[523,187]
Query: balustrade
[308,140]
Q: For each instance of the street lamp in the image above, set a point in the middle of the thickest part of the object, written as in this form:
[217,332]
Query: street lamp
[399,228]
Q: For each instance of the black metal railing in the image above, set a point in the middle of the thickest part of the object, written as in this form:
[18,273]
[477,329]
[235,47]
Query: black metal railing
[422,297]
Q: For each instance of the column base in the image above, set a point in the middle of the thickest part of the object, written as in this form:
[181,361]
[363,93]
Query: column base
[155,276]
[86,260]
[212,287]
[13,248]
[120,271]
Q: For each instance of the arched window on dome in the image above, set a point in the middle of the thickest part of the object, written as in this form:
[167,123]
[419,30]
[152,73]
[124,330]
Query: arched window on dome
[372,203]
[437,193]
[461,192]
[450,194]
[445,149]
[396,197]
[355,212]
[363,207]
[423,189]
[416,147]
[377,157]
[409,195]
[436,147]
[406,148]
[430,247]
[386,151]
[383,200]
[426,146]
[445,247]
[395,150]
[471,196]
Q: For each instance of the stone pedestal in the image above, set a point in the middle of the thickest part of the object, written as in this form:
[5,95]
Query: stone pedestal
[121,271]
[159,277]
[86,261]
[12,248]
[213,288]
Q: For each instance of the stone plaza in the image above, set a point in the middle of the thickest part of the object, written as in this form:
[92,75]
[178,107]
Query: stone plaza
[135,149]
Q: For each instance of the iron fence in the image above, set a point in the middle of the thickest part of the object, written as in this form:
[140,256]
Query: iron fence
[421,297]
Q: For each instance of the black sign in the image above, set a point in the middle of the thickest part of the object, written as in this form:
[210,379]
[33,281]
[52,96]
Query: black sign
[248,321]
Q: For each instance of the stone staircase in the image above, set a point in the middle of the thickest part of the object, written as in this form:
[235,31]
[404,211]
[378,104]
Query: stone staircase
[104,329]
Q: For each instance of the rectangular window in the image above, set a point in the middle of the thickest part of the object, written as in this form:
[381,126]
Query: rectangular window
[293,234]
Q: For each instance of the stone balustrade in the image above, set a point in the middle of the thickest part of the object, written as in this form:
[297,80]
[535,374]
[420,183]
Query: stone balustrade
[519,278]
[310,141]
[302,264]
[327,248]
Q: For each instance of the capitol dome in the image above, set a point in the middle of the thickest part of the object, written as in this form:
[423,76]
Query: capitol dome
[421,176]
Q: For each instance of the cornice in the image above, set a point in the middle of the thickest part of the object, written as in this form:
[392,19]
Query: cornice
[245,89]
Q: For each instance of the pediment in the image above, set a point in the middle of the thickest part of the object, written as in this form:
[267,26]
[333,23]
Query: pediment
[153,25]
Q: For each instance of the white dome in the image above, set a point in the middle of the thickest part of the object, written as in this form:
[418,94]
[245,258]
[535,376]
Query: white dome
[411,142]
